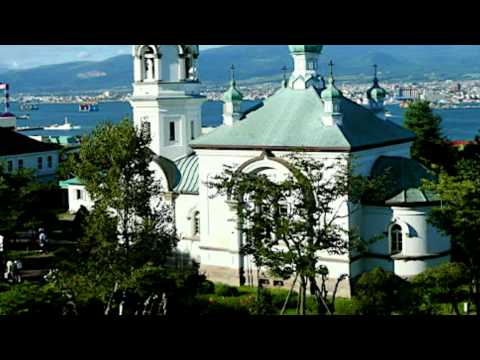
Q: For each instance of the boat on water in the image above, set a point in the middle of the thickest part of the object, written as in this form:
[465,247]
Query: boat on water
[388,114]
[65,126]
[29,107]
[88,107]
[23,117]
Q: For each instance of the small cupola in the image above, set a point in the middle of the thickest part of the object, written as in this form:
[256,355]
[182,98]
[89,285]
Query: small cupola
[232,100]
[376,94]
[332,98]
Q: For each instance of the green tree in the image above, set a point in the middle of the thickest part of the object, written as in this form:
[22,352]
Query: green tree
[25,204]
[430,147]
[459,217]
[130,228]
[287,224]
[446,283]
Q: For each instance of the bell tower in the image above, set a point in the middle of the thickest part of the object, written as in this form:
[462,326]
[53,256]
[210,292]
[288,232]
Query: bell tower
[166,97]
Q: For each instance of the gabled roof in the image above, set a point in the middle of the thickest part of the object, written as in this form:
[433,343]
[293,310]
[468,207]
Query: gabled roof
[405,177]
[292,119]
[14,143]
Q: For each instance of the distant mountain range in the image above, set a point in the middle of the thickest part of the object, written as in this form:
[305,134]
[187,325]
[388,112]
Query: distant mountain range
[260,63]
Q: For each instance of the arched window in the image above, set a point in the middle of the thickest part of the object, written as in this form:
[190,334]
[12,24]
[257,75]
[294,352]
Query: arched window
[396,239]
[149,63]
[196,223]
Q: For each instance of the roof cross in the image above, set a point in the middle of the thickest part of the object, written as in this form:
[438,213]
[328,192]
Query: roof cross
[232,72]
[375,69]
[331,68]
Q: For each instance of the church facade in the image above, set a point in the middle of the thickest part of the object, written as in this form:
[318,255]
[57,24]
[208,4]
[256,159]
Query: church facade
[307,112]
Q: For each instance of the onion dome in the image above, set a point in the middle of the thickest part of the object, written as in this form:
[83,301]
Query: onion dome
[232,94]
[376,92]
[300,49]
[331,92]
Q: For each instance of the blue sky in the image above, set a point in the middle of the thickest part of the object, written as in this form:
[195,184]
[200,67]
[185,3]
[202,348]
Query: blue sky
[27,56]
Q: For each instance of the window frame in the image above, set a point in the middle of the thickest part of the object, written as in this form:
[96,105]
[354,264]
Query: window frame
[396,236]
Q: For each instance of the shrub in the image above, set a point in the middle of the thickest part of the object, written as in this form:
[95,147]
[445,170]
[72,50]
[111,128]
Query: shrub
[263,303]
[31,299]
[280,295]
[446,283]
[220,305]
[207,287]
[344,307]
[381,293]
[226,290]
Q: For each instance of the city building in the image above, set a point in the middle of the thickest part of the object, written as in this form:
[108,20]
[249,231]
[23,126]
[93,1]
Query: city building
[18,151]
[304,113]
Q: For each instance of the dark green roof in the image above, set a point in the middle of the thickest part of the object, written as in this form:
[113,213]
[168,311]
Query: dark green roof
[293,119]
[170,170]
[405,180]
[188,167]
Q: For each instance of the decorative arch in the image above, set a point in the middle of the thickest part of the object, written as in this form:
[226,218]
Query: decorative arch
[140,50]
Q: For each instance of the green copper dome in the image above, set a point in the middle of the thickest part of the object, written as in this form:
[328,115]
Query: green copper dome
[376,93]
[331,91]
[232,94]
[297,49]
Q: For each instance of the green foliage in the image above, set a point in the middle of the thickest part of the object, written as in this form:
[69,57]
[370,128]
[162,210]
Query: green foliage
[25,204]
[430,147]
[207,287]
[459,216]
[344,307]
[379,292]
[263,303]
[31,299]
[226,290]
[226,306]
[127,238]
[446,283]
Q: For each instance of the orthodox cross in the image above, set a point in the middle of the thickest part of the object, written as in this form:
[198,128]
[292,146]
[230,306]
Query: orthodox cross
[375,70]
[232,72]
[331,68]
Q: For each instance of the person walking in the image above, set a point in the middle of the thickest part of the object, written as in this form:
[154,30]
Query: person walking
[2,259]
[42,238]
[17,267]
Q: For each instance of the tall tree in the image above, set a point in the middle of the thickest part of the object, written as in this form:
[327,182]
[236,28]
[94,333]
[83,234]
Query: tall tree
[288,224]
[430,147]
[130,227]
[459,217]
[25,204]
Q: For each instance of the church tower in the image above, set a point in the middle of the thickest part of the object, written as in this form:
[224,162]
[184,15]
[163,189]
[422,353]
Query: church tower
[305,66]
[232,100]
[166,97]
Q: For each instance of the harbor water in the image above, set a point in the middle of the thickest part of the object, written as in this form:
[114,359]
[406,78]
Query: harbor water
[458,124]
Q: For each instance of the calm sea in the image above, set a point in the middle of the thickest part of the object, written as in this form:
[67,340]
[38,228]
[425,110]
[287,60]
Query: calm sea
[458,124]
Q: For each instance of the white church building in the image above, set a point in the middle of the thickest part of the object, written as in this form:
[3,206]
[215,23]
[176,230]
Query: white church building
[304,113]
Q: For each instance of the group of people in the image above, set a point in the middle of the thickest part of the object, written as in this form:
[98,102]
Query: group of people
[13,268]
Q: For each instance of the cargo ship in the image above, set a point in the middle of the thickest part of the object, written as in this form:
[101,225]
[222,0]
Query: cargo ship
[88,107]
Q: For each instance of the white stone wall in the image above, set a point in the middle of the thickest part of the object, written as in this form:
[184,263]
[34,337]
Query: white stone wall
[78,197]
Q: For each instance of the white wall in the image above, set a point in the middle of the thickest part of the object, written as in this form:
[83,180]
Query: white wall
[30,161]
